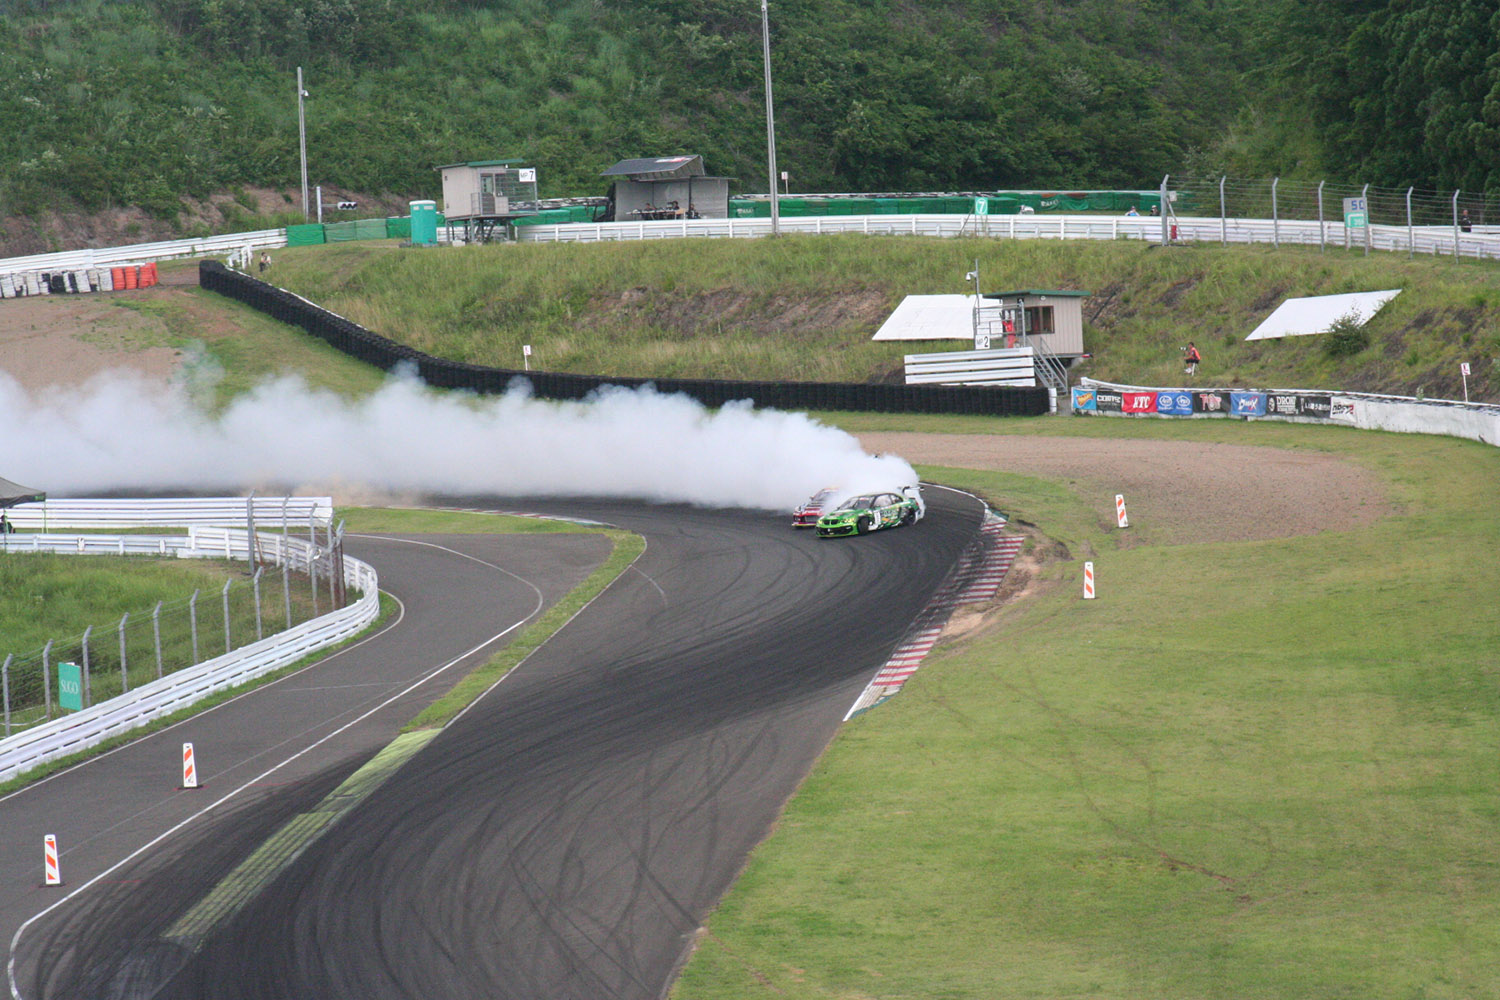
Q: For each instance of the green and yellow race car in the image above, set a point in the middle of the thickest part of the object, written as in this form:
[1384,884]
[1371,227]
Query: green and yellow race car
[860,515]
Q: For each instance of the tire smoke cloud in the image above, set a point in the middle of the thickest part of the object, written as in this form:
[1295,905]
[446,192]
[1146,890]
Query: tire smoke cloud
[118,433]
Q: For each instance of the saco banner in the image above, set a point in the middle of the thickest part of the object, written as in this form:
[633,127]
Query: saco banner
[1175,402]
[1247,404]
[1138,402]
[1083,399]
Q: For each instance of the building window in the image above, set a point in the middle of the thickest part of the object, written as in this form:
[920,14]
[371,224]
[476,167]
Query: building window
[1039,320]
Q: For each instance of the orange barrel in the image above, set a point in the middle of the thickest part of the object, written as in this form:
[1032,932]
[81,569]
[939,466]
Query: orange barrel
[117,277]
[132,277]
[148,274]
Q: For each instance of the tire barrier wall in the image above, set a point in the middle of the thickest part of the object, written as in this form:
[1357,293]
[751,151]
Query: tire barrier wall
[355,340]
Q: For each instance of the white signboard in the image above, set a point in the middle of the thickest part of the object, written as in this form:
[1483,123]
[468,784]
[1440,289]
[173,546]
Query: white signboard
[526,175]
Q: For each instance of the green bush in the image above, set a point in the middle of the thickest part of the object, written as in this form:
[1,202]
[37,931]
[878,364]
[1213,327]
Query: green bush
[1346,337]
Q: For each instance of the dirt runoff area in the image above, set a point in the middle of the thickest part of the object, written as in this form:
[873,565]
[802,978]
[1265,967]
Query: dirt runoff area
[1205,492]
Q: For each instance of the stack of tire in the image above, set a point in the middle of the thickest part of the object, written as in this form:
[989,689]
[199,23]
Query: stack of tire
[70,282]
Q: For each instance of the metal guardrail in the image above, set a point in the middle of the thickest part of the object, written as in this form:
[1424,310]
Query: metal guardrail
[140,253]
[226,512]
[1003,366]
[1189,229]
[159,698]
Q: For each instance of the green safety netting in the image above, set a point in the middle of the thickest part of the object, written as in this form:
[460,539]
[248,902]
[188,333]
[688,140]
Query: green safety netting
[1000,203]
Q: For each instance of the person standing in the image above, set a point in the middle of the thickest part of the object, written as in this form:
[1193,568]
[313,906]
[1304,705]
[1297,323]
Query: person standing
[265,261]
[1191,358]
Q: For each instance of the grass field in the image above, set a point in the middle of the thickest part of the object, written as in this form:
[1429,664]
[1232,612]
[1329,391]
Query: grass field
[1258,770]
[805,307]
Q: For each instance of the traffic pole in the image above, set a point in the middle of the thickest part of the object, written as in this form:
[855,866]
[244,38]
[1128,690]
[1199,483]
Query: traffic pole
[189,767]
[49,852]
[1088,581]
[1120,517]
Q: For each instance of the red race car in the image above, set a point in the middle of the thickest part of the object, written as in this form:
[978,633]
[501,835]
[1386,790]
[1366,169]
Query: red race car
[806,516]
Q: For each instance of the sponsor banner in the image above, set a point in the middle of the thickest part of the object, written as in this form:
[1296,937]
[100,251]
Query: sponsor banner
[1281,404]
[1175,402]
[1109,401]
[1315,406]
[1138,402]
[1341,409]
[1247,404]
[1083,399]
[1211,401]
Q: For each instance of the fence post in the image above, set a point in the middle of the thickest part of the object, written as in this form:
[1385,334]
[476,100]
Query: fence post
[193,620]
[1162,198]
[1364,194]
[228,644]
[286,583]
[1275,217]
[47,676]
[156,634]
[1322,237]
[124,666]
[5,688]
[312,578]
[1410,236]
[1455,222]
[1223,214]
[88,698]
[250,519]
[255,586]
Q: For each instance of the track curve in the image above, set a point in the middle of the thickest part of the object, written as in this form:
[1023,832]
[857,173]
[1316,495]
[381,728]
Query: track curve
[565,837]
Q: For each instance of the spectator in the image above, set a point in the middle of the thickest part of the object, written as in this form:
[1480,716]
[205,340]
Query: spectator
[1465,223]
[692,212]
[1155,210]
[6,527]
[1132,213]
[265,261]
[1191,357]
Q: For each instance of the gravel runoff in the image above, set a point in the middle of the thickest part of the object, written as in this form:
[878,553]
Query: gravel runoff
[1197,492]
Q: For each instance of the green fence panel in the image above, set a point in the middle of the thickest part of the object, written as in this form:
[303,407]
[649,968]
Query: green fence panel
[398,228]
[310,235]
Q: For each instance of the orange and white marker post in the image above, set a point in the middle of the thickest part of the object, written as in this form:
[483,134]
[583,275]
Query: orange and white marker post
[1120,517]
[49,852]
[1088,581]
[189,768]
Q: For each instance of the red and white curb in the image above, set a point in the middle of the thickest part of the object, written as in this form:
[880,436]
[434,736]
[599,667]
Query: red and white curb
[975,579]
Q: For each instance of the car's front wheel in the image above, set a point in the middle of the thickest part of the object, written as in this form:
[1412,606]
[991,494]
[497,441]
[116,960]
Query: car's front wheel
[862,526]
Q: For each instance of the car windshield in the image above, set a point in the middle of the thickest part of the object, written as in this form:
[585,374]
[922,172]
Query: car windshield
[822,496]
[855,503]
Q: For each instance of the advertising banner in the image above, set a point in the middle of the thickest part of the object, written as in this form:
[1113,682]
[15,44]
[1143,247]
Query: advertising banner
[1281,404]
[1138,402]
[1083,399]
[1309,405]
[1175,402]
[1341,409]
[70,686]
[1247,404]
[1211,401]
[1109,401]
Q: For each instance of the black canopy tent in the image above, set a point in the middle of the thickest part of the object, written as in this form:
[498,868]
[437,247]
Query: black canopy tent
[14,493]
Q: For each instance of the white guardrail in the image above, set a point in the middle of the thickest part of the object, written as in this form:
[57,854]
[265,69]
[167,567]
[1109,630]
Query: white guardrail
[177,512]
[1002,366]
[142,253]
[1197,229]
[154,700]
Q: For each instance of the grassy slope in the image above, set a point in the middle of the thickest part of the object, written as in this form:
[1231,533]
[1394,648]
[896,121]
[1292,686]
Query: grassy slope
[1248,770]
[805,307]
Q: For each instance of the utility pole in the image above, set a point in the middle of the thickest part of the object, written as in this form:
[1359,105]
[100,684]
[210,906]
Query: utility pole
[765,34]
[302,140]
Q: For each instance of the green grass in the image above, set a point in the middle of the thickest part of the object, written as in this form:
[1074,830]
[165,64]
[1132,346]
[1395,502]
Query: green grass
[805,307]
[427,520]
[1259,770]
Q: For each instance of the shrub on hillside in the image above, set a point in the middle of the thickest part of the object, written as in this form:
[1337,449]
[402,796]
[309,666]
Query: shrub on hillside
[1346,337]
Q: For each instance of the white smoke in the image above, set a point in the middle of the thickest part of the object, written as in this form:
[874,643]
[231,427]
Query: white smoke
[118,433]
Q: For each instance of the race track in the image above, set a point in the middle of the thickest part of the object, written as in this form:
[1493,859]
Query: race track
[563,838]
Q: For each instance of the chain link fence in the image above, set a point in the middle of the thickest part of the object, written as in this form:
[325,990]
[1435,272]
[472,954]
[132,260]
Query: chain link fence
[71,673]
[1285,198]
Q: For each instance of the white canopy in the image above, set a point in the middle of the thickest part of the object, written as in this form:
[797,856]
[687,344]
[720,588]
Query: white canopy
[1316,313]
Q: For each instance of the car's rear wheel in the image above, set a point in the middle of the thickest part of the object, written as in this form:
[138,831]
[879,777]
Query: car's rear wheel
[909,517]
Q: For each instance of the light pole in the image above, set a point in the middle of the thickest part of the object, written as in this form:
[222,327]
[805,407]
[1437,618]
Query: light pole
[765,34]
[302,139]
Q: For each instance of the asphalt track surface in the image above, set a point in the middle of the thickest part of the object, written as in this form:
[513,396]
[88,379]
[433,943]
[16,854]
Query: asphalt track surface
[564,837]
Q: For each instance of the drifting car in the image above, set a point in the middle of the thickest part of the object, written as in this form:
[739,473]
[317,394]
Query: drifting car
[806,516]
[860,515]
